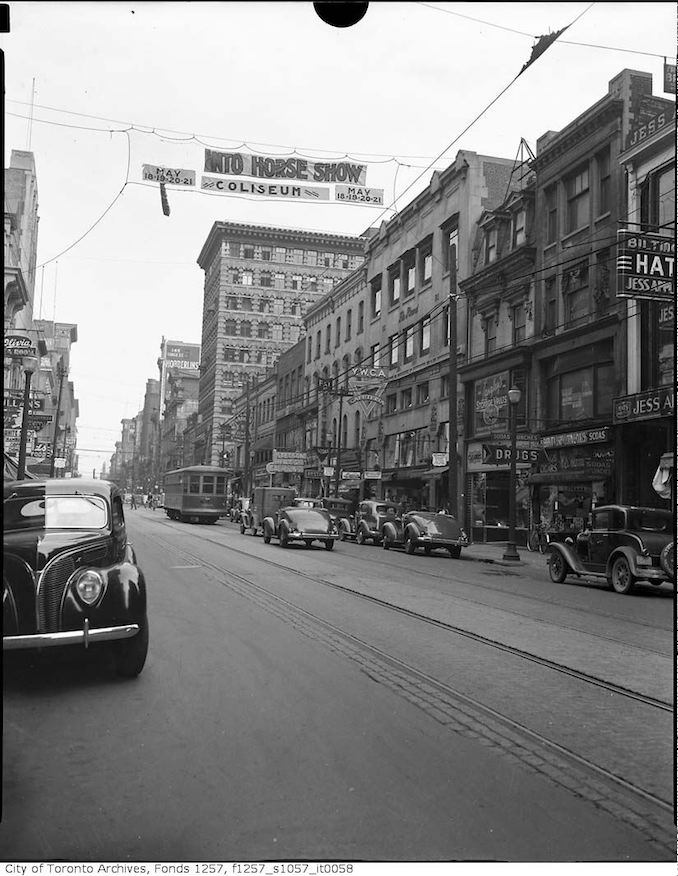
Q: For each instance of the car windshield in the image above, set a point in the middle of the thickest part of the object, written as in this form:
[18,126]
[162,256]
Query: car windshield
[650,520]
[54,512]
[386,509]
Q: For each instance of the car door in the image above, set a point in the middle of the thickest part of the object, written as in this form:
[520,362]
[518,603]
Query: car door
[604,524]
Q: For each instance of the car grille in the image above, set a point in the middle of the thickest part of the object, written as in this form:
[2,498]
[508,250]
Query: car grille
[50,592]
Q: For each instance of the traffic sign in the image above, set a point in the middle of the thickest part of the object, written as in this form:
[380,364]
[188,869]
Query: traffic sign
[59,462]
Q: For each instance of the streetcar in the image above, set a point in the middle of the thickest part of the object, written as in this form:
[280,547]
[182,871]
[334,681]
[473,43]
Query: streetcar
[196,494]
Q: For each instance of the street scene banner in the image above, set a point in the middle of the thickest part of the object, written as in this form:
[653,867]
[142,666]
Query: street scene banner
[267,190]
[646,266]
[172,175]
[359,195]
[275,167]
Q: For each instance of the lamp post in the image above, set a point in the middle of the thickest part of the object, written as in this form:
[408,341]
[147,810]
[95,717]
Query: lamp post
[29,364]
[511,552]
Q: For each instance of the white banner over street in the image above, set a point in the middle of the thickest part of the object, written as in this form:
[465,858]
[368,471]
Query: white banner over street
[275,167]
[266,190]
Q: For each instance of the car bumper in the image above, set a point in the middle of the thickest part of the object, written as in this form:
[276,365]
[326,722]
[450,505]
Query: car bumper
[650,573]
[441,542]
[315,536]
[85,637]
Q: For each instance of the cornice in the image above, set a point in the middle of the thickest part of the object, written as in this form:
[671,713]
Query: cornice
[588,123]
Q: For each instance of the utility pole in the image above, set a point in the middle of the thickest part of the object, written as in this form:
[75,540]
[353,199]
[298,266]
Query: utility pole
[62,373]
[452,486]
[339,425]
[246,461]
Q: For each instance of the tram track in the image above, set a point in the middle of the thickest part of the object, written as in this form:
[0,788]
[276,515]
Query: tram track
[559,668]
[625,799]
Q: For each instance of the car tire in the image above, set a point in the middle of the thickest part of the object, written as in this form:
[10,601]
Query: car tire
[329,545]
[254,530]
[621,576]
[284,539]
[557,567]
[360,537]
[455,552]
[242,529]
[386,543]
[667,560]
[427,549]
[130,654]
[267,535]
[410,546]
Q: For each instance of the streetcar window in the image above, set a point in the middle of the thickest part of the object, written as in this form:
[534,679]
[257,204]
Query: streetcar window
[194,484]
[221,486]
[184,481]
[208,484]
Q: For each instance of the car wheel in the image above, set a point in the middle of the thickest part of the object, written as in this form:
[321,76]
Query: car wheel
[455,552]
[360,537]
[410,546]
[557,567]
[667,560]
[242,529]
[284,540]
[386,543]
[130,654]
[342,533]
[329,545]
[267,535]
[427,549]
[254,530]
[622,579]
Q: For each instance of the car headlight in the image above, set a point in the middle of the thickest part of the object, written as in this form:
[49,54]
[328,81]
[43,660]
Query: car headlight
[89,586]
[295,532]
[643,561]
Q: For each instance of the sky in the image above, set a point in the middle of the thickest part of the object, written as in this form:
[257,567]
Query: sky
[96,90]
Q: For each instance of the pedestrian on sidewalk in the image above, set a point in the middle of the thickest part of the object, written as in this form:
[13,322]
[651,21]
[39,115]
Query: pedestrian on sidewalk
[133,502]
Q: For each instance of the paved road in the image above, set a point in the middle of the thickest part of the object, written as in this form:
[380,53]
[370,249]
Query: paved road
[280,717]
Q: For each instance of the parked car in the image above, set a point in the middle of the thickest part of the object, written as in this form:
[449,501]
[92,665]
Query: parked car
[239,506]
[370,519]
[70,576]
[266,501]
[301,524]
[342,512]
[425,529]
[623,544]
[306,502]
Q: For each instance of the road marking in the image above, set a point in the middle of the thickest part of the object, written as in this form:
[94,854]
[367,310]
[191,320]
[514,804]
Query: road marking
[185,567]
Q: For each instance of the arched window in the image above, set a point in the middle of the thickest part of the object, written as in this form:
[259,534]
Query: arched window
[334,432]
[335,374]
[358,356]
[345,366]
[344,430]
[229,327]
[245,329]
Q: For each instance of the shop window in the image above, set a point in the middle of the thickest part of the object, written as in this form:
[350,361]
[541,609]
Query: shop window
[578,201]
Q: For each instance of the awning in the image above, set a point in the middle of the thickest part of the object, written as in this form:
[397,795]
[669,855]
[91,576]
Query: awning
[403,474]
[435,471]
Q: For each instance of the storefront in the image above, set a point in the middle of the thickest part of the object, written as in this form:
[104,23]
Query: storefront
[575,473]
[488,482]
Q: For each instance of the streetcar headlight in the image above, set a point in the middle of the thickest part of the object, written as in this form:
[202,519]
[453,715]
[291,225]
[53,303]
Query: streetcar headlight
[89,586]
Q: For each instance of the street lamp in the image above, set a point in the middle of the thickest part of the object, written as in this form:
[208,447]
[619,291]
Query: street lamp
[511,552]
[29,365]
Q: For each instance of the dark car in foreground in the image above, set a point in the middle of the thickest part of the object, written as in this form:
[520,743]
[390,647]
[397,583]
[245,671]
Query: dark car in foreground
[70,577]
[624,544]
[424,529]
[301,524]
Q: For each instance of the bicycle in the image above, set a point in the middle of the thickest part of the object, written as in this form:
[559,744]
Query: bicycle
[538,539]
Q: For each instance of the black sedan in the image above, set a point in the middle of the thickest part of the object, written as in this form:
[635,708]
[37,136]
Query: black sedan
[624,544]
[70,577]
[425,529]
[301,524]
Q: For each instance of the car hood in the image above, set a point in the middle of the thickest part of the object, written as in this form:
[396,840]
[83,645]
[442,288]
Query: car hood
[37,547]
[439,525]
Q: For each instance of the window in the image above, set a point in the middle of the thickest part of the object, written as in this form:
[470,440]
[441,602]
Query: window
[264,305]
[337,333]
[266,279]
[312,284]
[445,317]
[245,329]
[231,303]
[375,288]
[309,349]
[361,317]
[393,350]
[328,337]
[229,327]
[410,264]
[246,278]
[229,354]
[266,253]
[311,257]
[577,193]
[208,483]
[490,245]
[263,330]
[298,256]
[245,303]
[356,429]
[376,356]
[280,253]
[422,393]
[425,337]
[317,345]
[490,334]
[551,199]
[519,319]
[296,282]
[603,169]
[278,306]
[445,386]
[550,306]
[658,201]
[409,344]
[406,398]
[518,228]
[576,292]
[349,320]
[327,260]
[581,394]
[391,403]
[450,237]
[235,276]
[277,333]
[394,284]
[248,252]
[279,281]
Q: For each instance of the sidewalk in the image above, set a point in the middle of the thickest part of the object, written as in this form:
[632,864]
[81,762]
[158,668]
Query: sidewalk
[493,553]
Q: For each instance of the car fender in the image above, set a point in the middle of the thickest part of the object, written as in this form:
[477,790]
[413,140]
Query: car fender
[345,523]
[412,530]
[390,532]
[569,556]
[630,555]
[268,526]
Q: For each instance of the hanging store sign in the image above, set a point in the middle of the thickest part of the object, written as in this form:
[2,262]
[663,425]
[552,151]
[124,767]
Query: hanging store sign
[670,79]
[274,167]
[359,195]
[266,190]
[438,459]
[571,439]
[490,400]
[171,175]
[289,461]
[328,471]
[350,475]
[645,266]
[644,405]
[17,346]
[372,475]
[499,454]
